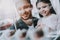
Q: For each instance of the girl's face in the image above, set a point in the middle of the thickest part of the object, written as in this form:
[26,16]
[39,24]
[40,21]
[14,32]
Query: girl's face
[43,8]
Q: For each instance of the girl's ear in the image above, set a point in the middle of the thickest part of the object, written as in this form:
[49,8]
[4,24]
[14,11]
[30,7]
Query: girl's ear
[50,5]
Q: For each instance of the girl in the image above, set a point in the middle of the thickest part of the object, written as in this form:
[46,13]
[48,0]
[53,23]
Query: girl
[48,21]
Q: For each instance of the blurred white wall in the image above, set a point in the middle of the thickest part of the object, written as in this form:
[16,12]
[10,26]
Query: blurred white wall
[7,9]
[34,11]
[56,5]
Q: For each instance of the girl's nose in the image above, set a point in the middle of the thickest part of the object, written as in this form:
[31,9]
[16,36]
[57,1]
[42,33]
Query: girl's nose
[42,10]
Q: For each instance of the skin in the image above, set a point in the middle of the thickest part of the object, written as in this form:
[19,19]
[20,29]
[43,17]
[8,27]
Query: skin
[25,12]
[4,27]
[44,9]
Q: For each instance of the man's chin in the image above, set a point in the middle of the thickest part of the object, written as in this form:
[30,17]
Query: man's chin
[25,18]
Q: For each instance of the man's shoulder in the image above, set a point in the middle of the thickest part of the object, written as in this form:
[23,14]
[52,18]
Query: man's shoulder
[35,18]
[19,21]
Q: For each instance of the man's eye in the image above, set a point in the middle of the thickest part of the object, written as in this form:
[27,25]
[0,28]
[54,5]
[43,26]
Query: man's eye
[39,8]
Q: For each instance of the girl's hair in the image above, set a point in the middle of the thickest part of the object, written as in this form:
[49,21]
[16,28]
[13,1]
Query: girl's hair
[48,2]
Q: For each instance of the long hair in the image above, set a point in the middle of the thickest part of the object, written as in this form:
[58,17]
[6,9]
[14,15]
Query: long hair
[48,2]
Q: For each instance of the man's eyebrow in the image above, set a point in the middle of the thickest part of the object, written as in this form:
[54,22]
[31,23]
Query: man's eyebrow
[26,6]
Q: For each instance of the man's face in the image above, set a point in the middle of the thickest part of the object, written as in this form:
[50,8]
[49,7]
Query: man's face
[25,10]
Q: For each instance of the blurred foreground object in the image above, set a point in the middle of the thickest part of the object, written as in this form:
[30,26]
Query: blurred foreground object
[6,23]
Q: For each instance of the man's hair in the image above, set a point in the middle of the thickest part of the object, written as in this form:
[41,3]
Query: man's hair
[29,1]
[18,3]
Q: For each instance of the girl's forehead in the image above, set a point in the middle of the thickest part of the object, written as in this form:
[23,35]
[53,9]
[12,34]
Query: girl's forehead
[42,4]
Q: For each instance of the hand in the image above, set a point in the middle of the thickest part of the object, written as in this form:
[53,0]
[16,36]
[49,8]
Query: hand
[5,26]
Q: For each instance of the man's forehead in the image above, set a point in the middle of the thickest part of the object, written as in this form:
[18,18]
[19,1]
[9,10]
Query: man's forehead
[22,1]
[19,4]
[25,5]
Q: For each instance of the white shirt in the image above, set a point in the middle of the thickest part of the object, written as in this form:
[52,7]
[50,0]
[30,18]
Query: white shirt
[49,22]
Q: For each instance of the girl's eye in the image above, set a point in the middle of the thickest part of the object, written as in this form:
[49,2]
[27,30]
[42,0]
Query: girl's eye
[39,8]
[44,6]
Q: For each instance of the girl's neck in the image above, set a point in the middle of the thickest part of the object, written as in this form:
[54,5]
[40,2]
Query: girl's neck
[48,15]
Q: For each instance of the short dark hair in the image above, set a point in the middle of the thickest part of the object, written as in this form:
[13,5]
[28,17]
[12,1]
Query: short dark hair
[29,1]
[39,33]
[48,2]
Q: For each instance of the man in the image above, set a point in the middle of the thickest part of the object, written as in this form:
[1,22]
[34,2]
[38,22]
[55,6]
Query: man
[26,20]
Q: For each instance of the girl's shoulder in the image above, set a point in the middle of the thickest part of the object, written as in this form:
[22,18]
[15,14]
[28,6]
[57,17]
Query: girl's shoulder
[53,16]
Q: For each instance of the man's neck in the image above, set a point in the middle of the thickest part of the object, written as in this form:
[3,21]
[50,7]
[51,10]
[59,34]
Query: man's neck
[28,21]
